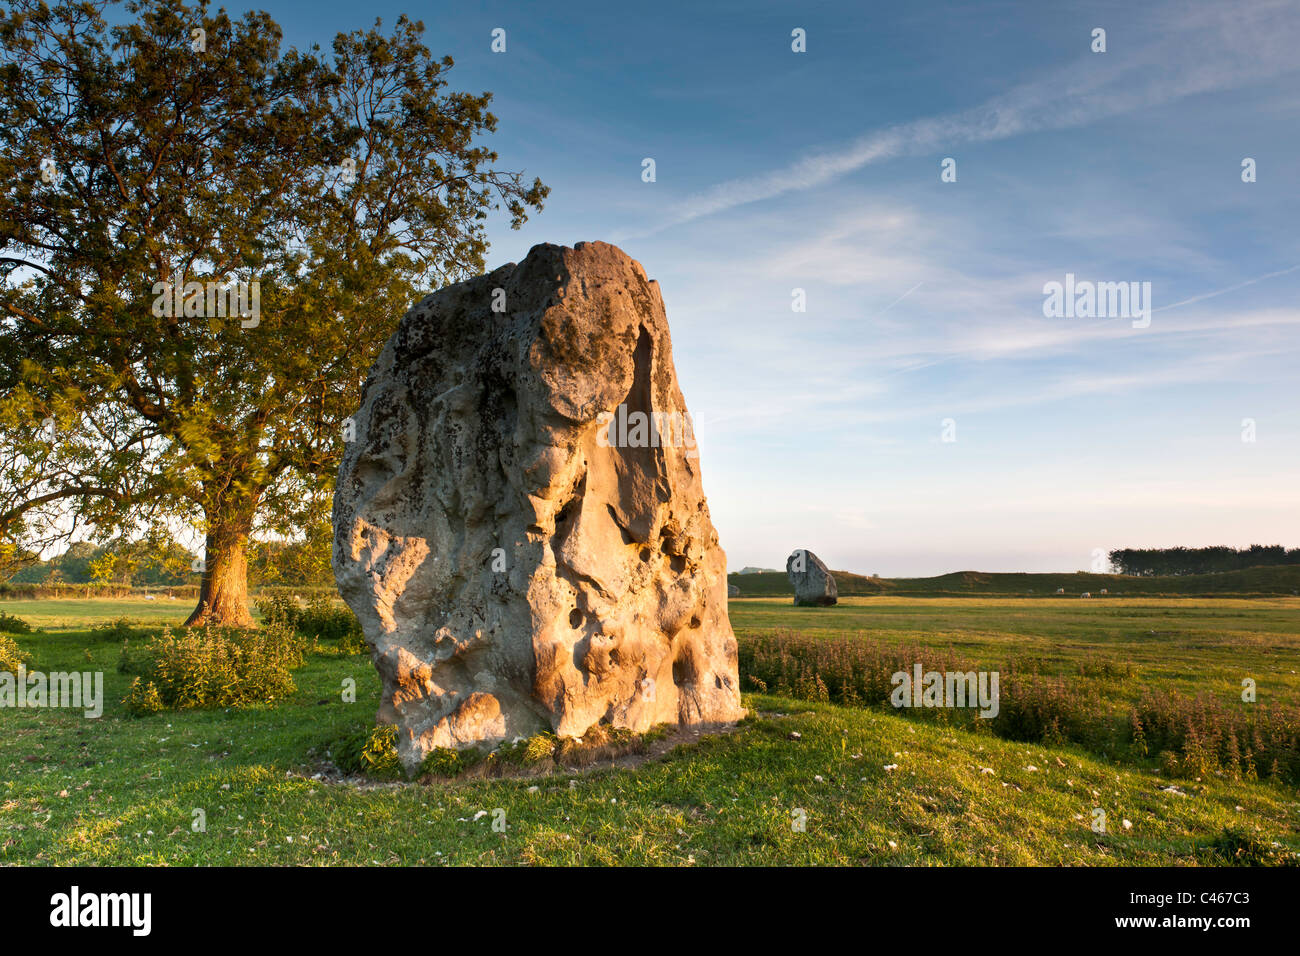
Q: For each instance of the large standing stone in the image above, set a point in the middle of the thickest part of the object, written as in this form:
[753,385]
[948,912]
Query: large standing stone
[519,523]
[813,583]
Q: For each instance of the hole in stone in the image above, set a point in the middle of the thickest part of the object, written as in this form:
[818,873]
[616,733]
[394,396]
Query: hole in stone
[677,562]
[575,618]
[645,554]
[695,621]
[685,671]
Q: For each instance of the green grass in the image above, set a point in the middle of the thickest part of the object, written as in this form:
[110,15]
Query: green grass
[1191,645]
[72,613]
[122,790]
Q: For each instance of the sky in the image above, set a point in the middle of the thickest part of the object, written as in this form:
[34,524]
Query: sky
[924,415]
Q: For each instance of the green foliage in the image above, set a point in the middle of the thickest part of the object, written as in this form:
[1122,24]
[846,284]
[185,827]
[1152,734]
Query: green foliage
[321,619]
[149,562]
[9,624]
[1179,561]
[843,670]
[537,748]
[152,561]
[1050,710]
[447,762]
[280,609]
[143,699]
[530,751]
[304,562]
[325,620]
[217,666]
[173,172]
[1194,736]
[371,751]
[12,656]
[72,566]
[1207,736]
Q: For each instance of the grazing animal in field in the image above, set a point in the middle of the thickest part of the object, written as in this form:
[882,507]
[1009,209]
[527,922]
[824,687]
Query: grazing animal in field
[1060,590]
[1104,591]
[1086,594]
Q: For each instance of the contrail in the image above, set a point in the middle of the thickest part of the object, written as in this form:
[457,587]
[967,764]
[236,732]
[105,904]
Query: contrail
[1231,288]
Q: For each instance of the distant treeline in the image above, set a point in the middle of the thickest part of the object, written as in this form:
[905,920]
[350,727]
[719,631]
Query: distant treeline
[1164,561]
[124,565]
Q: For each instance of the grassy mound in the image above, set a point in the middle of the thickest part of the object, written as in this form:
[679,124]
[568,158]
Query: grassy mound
[802,782]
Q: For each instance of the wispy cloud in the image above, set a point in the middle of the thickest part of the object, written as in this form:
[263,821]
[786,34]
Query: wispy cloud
[1210,49]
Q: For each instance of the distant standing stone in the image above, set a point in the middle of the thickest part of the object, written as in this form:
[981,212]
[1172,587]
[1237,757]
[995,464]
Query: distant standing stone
[814,586]
[733,591]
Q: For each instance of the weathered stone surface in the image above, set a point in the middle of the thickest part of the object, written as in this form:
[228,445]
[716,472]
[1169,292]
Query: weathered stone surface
[523,551]
[813,583]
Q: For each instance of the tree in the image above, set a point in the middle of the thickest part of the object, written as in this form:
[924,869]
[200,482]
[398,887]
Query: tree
[302,562]
[204,243]
[1215,559]
[108,568]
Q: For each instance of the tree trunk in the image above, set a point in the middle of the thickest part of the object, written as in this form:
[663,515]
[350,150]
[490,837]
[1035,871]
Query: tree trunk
[223,594]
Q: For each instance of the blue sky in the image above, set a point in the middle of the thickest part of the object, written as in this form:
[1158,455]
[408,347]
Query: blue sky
[820,170]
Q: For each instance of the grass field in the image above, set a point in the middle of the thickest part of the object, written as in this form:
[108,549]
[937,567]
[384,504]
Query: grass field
[1282,581]
[1192,645]
[123,790]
